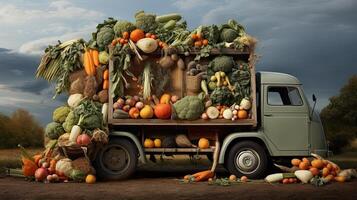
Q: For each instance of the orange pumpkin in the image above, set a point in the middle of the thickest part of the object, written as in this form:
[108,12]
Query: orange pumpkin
[162,111]
[317,163]
[295,162]
[203,143]
[134,113]
[306,161]
[136,35]
[242,114]
[165,98]
[148,143]
[303,166]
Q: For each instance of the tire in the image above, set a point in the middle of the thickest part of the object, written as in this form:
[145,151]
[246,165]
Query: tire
[247,158]
[117,160]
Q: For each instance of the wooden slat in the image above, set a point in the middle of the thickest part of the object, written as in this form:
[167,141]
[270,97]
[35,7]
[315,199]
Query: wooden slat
[198,122]
[179,150]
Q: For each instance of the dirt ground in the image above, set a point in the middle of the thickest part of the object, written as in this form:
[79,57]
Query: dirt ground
[154,184]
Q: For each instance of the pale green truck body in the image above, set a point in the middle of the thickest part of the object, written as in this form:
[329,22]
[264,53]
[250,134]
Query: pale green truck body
[286,127]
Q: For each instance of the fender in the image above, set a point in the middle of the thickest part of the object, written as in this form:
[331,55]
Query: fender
[134,139]
[240,135]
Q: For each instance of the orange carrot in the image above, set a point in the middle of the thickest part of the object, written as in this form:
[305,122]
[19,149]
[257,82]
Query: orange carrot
[95,57]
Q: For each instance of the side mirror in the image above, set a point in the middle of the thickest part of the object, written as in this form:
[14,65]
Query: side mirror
[314,97]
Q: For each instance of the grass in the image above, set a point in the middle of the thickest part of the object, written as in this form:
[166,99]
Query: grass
[11,158]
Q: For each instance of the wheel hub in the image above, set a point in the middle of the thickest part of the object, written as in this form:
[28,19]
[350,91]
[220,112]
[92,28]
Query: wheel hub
[115,159]
[247,161]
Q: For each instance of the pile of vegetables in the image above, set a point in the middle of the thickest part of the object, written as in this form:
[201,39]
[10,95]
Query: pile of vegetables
[315,170]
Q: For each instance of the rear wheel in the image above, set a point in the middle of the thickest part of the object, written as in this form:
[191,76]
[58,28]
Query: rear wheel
[247,158]
[117,160]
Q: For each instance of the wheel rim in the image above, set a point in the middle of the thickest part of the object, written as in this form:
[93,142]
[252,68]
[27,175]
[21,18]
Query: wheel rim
[115,159]
[247,161]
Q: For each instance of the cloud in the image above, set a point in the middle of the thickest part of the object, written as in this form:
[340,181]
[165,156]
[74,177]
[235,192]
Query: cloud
[56,10]
[191,4]
[37,46]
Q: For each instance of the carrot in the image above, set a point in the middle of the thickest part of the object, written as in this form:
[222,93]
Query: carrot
[203,175]
[106,74]
[105,84]
[95,57]
[114,42]
[88,63]
[199,36]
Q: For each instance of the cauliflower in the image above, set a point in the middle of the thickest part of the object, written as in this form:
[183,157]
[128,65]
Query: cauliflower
[222,63]
[54,130]
[71,120]
[228,35]
[189,107]
[146,22]
[122,26]
[60,114]
[105,37]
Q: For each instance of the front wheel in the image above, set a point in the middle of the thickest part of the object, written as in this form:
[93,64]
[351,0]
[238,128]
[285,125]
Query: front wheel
[247,158]
[117,160]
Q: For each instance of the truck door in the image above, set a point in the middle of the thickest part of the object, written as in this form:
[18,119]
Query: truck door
[286,118]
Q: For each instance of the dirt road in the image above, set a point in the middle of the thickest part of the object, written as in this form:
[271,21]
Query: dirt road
[164,186]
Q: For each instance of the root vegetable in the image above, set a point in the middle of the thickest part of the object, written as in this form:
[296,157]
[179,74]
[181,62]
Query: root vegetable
[139,105]
[303,175]
[180,64]
[212,112]
[166,62]
[204,116]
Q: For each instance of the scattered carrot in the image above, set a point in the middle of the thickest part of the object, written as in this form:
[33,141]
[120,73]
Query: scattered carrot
[106,74]
[194,36]
[105,84]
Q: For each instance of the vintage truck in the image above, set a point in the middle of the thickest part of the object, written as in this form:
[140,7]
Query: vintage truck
[282,124]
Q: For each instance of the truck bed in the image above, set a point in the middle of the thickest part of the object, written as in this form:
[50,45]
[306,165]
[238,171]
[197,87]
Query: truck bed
[252,121]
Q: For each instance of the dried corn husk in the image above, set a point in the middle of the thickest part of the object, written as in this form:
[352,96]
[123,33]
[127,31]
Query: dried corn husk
[183,141]
[100,136]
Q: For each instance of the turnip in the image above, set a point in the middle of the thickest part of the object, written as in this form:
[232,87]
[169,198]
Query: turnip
[41,174]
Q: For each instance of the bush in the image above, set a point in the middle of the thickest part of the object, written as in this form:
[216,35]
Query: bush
[339,117]
[20,128]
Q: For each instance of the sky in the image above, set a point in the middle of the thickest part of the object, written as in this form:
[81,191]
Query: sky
[314,40]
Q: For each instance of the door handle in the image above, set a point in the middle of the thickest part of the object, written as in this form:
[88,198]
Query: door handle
[268,115]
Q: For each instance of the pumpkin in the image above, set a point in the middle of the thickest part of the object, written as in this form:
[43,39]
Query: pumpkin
[295,162]
[203,143]
[242,114]
[134,113]
[147,45]
[163,111]
[83,139]
[232,177]
[148,143]
[317,163]
[90,179]
[157,143]
[303,166]
[146,112]
[165,98]
[136,35]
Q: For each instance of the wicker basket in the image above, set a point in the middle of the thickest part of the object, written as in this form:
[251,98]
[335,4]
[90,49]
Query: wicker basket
[76,151]
[193,85]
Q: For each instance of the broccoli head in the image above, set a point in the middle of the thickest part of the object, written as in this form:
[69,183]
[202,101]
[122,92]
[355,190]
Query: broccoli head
[222,96]
[123,26]
[228,35]
[105,37]
[54,130]
[146,22]
[189,107]
[60,114]
[222,63]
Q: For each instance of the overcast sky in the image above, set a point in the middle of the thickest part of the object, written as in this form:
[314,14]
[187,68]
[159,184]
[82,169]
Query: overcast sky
[314,40]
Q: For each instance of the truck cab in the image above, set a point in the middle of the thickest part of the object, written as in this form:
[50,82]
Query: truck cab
[287,127]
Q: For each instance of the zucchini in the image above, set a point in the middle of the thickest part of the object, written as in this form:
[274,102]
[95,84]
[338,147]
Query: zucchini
[120,114]
[168,17]
[170,24]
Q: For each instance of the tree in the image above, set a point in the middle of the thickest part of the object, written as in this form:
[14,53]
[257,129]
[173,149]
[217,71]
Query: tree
[339,117]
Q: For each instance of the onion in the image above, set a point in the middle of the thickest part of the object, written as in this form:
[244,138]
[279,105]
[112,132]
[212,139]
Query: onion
[139,105]
[41,174]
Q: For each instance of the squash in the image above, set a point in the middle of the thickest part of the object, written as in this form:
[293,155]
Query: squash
[136,35]
[303,166]
[165,98]
[242,114]
[295,162]
[90,179]
[203,143]
[147,45]
[303,175]
[74,100]
[146,112]
[162,111]
[134,113]
[314,171]
[317,163]
[148,143]
[182,141]
[157,143]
